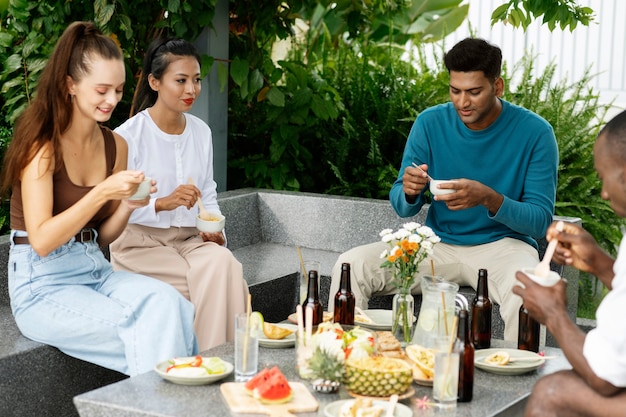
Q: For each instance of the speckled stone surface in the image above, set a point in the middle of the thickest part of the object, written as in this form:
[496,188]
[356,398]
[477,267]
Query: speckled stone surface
[149,395]
[264,229]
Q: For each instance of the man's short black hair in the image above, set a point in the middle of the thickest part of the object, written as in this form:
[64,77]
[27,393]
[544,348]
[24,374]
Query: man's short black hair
[473,54]
[615,133]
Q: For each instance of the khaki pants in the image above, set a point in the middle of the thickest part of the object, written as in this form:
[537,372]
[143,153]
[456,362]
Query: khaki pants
[205,273]
[455,263]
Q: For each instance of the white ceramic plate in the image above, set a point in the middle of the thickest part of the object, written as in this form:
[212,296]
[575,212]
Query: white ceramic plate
[526,361]
[287,342]
[401,410]
[161,367]
[382,320]
[423,382]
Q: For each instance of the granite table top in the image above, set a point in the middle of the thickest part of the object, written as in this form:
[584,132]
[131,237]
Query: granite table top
[150,395]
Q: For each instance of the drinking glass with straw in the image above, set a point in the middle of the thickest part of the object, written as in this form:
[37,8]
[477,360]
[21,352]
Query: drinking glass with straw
[445,384]
[246,343]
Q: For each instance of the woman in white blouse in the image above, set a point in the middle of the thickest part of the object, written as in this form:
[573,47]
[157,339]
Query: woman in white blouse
[175,149]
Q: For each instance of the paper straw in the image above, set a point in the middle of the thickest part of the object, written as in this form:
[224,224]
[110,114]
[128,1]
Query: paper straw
[445,315]
[301,261]
[300,321]
[432,268]
[308,323]
[247,335]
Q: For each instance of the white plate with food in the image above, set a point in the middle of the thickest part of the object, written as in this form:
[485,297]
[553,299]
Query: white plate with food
[284,342]
[375,319]
[293,317]
[194,370]
[340,408]
[507,361]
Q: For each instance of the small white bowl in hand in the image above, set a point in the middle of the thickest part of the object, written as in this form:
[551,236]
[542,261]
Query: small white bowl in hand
[215,223]
[143,190]
[548,281]
[435,190]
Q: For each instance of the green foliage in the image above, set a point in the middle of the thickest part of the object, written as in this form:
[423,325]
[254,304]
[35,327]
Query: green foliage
[575,114]
[565,13]
[29,31]
[324,118]
[6,133]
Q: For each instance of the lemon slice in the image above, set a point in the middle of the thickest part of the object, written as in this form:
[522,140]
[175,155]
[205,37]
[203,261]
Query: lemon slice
[272,331]
[256,322]
[428,319]
[499,358]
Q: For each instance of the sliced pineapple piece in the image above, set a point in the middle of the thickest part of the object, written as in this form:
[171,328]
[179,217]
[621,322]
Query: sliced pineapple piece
[273,331]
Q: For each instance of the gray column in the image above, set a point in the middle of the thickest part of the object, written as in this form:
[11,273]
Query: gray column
[212,105]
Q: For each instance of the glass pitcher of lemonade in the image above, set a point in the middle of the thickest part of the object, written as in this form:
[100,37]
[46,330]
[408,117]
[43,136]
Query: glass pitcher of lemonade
[436,315]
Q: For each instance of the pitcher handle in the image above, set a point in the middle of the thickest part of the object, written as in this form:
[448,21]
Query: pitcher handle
[461,301]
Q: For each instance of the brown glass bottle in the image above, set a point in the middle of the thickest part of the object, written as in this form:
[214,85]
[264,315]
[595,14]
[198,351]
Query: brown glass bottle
[528,333]
[466,359]
[313,299]
[344,299]
[481,313]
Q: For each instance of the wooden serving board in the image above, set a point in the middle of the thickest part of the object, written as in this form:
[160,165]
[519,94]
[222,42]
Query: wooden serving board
[240,402]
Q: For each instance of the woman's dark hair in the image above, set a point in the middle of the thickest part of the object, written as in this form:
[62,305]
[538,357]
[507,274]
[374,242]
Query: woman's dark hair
[473,54]
[161,52]
[50,113]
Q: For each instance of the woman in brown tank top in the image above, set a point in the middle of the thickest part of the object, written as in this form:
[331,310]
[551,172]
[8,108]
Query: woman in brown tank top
[70,195]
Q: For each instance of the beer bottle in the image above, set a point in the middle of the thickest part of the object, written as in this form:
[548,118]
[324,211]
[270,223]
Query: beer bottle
[313,299]
[466,359]
[528,333]
[481,313]
[344,299]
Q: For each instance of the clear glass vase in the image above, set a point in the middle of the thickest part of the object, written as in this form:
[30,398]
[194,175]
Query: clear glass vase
[402,317]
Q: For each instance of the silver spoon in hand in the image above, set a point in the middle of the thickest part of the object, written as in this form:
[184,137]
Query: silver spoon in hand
[417,166]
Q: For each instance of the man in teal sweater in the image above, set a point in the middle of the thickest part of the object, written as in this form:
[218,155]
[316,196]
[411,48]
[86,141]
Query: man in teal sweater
[503,161]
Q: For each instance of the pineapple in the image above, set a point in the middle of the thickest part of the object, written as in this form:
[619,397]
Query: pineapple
[326,366]
[378,376]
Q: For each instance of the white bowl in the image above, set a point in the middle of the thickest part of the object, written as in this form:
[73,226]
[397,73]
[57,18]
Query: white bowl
[143,190]
[435,190]
[548,281]
[213,225]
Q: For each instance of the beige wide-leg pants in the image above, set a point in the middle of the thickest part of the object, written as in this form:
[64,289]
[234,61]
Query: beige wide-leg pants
[455,263]
[205,273]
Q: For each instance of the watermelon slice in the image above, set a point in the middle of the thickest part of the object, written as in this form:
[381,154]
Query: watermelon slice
[260,378]
[275,390]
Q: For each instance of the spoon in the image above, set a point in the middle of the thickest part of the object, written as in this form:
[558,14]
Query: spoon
[543,269]
[391,408]
[203,213]
[417,166]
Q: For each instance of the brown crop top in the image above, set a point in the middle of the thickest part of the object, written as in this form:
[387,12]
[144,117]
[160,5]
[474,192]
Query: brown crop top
[66,193]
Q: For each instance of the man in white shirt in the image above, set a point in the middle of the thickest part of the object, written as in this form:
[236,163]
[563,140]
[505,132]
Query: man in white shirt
[596,386]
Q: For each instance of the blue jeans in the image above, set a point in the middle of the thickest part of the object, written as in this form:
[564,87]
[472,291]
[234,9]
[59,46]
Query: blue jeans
[73,300]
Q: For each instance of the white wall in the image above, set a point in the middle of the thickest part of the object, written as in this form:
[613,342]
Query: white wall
[601,46]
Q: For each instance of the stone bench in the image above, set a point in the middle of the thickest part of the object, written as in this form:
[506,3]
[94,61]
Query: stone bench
[37,379]
[264,229]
